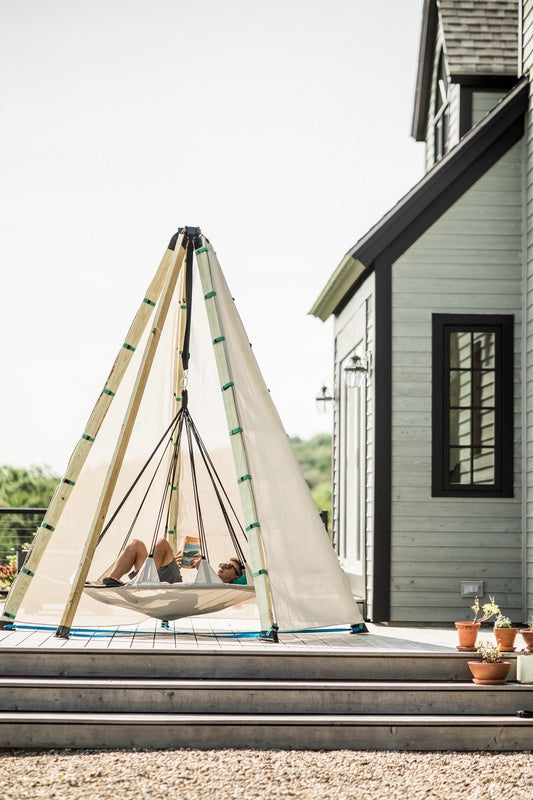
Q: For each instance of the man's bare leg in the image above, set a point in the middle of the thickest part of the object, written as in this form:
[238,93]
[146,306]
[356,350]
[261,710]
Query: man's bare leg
[132,558]
[163,554]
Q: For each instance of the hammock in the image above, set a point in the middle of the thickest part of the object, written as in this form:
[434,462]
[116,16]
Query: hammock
[173,600]
[297,578]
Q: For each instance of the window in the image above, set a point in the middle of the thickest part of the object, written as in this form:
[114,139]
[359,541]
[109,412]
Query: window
[472,436]
[442,111]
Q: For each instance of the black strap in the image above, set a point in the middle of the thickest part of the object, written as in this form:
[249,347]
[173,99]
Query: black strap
[188,303]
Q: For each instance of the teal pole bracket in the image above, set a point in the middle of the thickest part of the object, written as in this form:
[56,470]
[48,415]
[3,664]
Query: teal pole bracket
[271,635]
[358,627]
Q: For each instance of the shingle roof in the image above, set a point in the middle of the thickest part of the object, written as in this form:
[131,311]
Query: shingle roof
[480,36]
[480,42]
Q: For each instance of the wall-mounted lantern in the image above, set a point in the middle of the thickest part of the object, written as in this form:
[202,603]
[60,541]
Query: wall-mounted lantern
[323,399]
[356,369]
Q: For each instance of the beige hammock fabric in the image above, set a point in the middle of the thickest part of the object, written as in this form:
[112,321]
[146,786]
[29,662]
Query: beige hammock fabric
[308,586]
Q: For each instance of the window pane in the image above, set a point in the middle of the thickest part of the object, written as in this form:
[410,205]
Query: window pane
[459,465]
[486,427]
[460,388]
[485,384]
[483,467]
[460,355]
[484,347]
[460,427]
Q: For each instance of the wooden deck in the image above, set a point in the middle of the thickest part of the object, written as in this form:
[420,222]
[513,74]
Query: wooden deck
[209,633]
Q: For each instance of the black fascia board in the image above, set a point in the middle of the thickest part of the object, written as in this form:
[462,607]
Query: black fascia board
[487,81]
[425,69]
[482,146]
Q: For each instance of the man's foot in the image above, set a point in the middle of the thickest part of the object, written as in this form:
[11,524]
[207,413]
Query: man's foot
[112,582]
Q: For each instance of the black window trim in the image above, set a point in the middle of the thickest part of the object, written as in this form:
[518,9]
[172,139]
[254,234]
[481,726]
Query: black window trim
[503,324]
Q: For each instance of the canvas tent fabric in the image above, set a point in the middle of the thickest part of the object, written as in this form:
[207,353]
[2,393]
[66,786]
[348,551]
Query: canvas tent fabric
[307,586]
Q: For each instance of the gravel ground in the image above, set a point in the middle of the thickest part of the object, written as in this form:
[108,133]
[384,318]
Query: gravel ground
[239,774]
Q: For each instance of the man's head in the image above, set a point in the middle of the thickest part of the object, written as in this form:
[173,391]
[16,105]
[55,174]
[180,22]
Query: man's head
[230,570]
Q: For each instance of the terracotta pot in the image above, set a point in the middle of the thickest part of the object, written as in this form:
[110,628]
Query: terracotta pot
[486,674]
[467,632]
[527,636]
[505,638]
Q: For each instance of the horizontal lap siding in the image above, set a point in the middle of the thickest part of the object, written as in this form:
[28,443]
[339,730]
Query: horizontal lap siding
[527,38]
[369,450]
[469,261]
[482,102]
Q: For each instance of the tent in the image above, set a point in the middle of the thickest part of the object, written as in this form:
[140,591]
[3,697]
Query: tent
[293,570]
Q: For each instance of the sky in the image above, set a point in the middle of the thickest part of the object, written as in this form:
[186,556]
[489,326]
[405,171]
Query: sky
[280,128]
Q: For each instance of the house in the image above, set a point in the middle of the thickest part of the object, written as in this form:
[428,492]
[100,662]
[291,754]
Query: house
[433,327]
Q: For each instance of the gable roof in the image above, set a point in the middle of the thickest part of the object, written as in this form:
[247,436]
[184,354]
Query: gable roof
[480,45]
[459,169]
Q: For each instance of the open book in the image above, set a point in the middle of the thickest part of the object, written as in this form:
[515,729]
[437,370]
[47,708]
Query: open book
[191,548]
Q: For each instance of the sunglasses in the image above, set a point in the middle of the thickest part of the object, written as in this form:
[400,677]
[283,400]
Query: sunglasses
[228,566]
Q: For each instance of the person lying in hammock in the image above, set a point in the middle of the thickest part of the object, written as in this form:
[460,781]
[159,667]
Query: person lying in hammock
[133,557]
[231,571]
[167,564]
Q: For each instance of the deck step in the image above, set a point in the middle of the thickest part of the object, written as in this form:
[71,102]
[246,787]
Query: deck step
[255,698]
[265,731]
[118,696]
[239,663]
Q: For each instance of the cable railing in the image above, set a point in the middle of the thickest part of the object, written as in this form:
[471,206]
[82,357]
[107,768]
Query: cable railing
[17,529]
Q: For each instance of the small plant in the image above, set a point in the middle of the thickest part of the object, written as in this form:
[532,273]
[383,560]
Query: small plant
[530,622]
[489,653]
[502,622]
[489,609]
[8,572]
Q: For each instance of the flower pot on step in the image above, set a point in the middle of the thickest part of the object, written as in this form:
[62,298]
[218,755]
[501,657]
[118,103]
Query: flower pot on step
[489,673]
[527,636]
[467,632]
[505,638]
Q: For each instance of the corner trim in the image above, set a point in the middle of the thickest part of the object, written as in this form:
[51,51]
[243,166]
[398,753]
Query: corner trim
[381,578]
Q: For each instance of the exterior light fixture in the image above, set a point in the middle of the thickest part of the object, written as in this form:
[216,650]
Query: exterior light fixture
[356,369]
[322,400]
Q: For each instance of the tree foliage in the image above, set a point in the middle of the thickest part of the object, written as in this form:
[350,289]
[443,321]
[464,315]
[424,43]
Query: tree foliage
[21,488]
[314,457]
[26,488]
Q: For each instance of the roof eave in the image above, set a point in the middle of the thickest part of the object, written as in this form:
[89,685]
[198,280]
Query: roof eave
[339,285]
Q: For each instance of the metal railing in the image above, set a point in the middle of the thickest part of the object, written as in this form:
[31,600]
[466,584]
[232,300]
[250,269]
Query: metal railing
[17,529]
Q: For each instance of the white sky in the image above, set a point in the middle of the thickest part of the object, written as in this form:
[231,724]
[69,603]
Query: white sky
[280,127]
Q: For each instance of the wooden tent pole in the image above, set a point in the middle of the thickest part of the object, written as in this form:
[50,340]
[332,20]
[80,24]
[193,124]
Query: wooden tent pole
[252,524]
[178,383]
[83,447]
[113,471]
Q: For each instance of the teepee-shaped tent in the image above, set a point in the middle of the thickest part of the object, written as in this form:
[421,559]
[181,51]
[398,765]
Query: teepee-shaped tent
[297,580]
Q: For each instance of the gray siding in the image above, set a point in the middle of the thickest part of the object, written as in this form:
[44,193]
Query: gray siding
[482,102]
[369,537]
[527,38]
[468,261]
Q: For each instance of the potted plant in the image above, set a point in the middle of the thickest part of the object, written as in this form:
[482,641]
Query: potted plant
[527,635]
[505,633]
[491,669]
[468,630]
